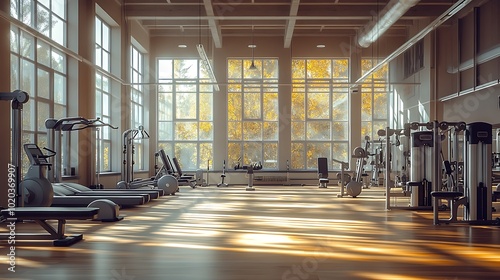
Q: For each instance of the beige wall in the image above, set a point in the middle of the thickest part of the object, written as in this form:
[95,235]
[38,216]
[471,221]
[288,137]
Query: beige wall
[466,100]
[416,91]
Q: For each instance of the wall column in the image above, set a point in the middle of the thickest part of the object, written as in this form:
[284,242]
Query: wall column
[354,102]
[86,88]
[5,110]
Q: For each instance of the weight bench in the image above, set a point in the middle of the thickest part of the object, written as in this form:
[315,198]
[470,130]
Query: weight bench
[41,214]
[323,172]
[455,198]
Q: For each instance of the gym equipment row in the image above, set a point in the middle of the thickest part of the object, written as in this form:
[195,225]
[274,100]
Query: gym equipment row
[426,187]
[57,127]
[64,191]
[40,215]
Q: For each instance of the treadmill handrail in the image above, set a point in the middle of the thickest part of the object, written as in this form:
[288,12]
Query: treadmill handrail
[69,123]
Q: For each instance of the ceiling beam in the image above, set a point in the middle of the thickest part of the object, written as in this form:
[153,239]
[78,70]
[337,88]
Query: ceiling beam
[181,14]
[290,23]
[213,24]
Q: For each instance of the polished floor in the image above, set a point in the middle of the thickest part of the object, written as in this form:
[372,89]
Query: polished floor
[275,232]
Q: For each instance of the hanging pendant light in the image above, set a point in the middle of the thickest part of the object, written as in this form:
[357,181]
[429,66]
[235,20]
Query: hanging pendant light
[252,66]
[252,46]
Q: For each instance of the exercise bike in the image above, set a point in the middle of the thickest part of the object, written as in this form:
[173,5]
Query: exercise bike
[223,176]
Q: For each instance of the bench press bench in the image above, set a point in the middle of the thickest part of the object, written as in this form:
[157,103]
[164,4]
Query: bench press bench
[40,215]
[455,198]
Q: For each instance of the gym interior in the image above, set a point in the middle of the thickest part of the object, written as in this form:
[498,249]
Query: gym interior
[250,139]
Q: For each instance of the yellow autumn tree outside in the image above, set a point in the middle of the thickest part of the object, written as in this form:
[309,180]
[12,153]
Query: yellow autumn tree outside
[319,111]
[185,117]
[374,99]
[253,111]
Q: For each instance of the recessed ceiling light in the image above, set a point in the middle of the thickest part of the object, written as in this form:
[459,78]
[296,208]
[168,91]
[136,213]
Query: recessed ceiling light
[182,46]
[252,46]
[320,46]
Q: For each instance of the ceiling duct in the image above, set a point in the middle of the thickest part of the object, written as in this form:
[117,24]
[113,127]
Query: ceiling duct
[394,10]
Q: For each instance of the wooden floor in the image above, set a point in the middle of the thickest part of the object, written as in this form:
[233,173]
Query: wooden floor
[286,233]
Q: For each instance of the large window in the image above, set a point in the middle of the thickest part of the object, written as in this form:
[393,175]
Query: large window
[320,112]
[46,16]
[136,105]
[253,112]
[374,98]
[103,91]
[185,114]
[37,67]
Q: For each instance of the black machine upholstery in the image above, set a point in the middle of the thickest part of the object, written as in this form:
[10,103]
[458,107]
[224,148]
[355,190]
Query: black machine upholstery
[40,215]
[323,171]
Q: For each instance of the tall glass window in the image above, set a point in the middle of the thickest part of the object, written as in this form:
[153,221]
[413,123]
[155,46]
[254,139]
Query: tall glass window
[103,90]
[253,112]
[185,112]
[320,111]
[136,105]
[37,67]
[374,98]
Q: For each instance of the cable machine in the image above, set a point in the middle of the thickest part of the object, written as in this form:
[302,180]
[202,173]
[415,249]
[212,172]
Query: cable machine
[477,175]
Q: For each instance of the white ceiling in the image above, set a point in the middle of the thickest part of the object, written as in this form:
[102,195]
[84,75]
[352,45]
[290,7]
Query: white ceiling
[284,18]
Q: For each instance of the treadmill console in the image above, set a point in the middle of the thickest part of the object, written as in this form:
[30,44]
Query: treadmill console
[35,155]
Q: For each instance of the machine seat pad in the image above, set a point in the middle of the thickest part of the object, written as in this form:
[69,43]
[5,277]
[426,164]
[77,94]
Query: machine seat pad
[453,195]
[51,213]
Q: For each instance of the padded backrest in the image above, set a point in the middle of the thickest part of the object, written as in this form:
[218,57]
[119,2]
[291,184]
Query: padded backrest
[170,164]
[166,161]
[177,166]
[323,167]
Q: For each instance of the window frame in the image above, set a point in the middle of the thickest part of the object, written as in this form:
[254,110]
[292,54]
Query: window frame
[242,84]
[49,70]
[173,92]
[305,150]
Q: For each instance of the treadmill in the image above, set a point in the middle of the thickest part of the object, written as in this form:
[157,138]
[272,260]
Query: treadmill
[68,198]
[65,197]
[82,190]
[76,124]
